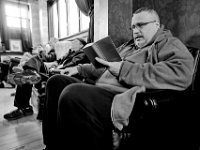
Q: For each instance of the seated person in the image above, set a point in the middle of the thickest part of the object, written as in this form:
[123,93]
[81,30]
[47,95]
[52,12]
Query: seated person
[24,89]
[41,51]
[45,54]
[85,114]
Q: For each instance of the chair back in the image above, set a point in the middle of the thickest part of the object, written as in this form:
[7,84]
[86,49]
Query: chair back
[196,72]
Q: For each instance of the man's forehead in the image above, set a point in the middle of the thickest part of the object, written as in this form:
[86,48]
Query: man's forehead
[142,17]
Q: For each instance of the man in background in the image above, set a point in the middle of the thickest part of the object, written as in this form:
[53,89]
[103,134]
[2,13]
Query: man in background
[35,72]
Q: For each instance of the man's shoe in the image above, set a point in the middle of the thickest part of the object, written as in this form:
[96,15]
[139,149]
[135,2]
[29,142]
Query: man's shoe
[19,113]
[28,111]
[27,76]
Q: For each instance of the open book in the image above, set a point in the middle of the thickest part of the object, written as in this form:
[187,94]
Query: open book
[103,48]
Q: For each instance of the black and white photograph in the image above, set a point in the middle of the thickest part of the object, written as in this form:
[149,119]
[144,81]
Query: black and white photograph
[99,74]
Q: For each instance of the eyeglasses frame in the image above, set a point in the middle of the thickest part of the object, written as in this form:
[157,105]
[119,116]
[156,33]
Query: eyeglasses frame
[140,25]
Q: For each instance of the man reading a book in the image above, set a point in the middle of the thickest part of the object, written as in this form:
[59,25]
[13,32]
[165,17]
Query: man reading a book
[85,114]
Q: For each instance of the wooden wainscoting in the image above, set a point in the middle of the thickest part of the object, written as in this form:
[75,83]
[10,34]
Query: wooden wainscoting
[20,134]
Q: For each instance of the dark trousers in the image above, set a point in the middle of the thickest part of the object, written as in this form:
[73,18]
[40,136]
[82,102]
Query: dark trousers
[78,114]
[4,69]
[24,92]
[23,95]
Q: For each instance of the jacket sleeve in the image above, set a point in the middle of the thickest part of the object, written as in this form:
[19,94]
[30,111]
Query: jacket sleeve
[80,58]
[170,66]
[89,71]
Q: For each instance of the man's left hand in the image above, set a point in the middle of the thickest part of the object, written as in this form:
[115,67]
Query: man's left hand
[69,71]
[113,67]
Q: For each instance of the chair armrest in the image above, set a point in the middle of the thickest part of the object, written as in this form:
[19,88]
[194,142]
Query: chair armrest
[155,99]
[156,115]
[154,104]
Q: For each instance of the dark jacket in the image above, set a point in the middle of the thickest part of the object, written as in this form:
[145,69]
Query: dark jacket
[73,58]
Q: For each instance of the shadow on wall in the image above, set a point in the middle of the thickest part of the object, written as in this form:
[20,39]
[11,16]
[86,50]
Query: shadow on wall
[194,41]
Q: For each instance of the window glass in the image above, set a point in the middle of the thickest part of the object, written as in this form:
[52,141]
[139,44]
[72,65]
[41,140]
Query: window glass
[24,23]
[62,18]
[84,21]
[23,13]
[55,20]
[67,19]
[17,15]
[12,10]
[13,22]
[73,17]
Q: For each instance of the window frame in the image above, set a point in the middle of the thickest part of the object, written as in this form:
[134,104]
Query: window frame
[27,19]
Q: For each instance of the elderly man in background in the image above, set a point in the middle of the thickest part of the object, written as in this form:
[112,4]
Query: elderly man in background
[35,72]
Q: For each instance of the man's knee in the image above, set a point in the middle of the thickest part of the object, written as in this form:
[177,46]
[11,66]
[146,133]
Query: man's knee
[73,90]
[73,93]
[54,80]
[61,80]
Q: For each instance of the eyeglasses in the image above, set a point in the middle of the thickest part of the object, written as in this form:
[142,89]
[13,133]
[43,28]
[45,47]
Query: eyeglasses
[140,25]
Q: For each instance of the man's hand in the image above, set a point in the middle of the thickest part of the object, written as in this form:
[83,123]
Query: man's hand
[69,71]
[113,67]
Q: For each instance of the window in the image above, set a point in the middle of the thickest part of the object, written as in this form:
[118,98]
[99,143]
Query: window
[63,19]
[55,20]
[17,15]
[73,17]
[67,19]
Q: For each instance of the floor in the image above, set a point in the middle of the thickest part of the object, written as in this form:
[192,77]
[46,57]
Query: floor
[21,134]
